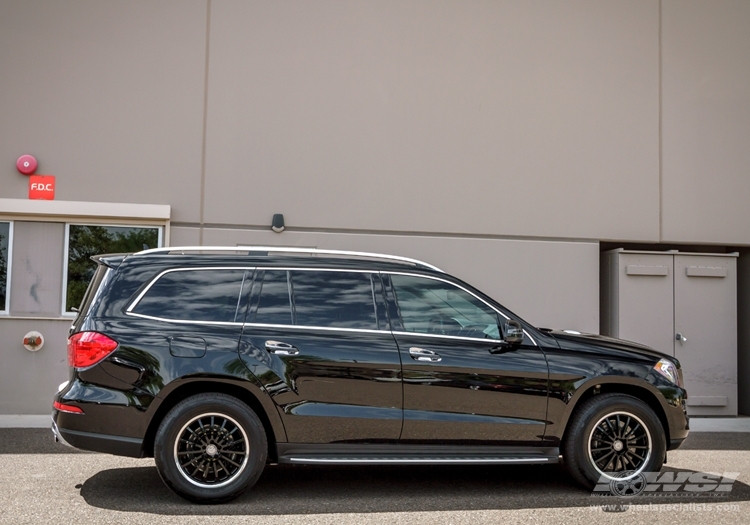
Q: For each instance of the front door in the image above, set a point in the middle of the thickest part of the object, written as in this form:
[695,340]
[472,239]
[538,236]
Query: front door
[461,384]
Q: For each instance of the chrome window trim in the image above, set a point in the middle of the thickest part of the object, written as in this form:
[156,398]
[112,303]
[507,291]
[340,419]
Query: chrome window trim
[310,327]
[290,249]
[135,302]
[138,298]
[183,321]
[435,278]
[313,269]
[442,336]
[260,325]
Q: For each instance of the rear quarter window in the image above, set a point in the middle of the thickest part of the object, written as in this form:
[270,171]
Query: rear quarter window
[210,295]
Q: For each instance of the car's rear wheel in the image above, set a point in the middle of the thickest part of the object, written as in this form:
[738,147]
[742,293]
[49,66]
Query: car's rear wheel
[613,436]
[210,448]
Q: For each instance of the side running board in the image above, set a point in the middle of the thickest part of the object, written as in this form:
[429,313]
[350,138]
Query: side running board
[413,454]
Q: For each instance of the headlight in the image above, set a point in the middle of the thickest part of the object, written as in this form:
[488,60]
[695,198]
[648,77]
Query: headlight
[667,368]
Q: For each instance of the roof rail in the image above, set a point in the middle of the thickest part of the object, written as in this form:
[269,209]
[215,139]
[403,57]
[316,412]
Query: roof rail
[289,249]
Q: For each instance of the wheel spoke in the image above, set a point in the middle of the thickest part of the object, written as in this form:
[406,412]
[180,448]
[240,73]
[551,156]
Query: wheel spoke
[230,461]
[613,432]
[632,432]
[599,460]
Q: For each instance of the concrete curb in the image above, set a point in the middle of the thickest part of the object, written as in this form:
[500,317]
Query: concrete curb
[25,421]
[720,424]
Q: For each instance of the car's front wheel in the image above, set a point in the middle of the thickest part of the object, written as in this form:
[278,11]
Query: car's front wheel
[613,436]
[210,448]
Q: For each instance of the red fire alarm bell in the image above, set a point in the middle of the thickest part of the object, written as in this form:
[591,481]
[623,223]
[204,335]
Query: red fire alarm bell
[42,187]
[26,164]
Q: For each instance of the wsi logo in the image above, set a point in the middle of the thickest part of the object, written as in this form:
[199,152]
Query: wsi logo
[628,483]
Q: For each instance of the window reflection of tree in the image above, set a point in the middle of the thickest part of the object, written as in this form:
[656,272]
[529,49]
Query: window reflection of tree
[87,241]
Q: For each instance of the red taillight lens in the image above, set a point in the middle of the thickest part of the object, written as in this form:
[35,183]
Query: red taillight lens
[67,408]
[88,348]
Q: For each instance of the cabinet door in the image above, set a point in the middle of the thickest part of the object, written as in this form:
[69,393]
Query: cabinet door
[645,300]
[705,316]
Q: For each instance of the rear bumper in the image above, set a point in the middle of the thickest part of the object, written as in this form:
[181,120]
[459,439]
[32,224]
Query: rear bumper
[112,421]
[117,445]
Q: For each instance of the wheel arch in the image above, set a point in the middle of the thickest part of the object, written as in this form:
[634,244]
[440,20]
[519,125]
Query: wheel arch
[268,416]
[598,386]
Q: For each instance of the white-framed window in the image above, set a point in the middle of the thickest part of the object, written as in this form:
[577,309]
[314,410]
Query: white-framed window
[82,241]
[6,258]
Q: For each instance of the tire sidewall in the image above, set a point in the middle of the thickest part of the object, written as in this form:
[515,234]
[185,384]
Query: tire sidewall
[189,409]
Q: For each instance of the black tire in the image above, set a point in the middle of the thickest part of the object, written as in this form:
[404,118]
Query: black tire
[610,434]
[222,451]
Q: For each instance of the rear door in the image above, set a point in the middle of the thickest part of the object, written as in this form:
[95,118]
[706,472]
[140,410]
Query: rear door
[461,385]
[321,340]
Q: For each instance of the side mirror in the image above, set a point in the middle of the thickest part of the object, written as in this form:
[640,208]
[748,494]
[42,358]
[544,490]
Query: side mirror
[513,332]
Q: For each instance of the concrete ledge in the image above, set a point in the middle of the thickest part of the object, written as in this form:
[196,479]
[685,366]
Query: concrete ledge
[25,421]
[42,209]
[720,424]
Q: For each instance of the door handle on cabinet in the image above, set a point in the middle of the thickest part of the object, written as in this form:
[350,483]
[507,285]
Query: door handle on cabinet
[420,354]
[277,347]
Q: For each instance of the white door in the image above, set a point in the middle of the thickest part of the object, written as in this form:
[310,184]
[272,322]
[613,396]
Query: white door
[705,331]
[646,296]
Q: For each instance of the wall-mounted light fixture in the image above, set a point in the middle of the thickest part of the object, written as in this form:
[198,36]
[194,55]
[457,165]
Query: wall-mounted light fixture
[277,224]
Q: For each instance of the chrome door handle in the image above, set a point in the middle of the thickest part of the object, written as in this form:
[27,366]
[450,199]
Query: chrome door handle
[420,354]
[681,338]
[277,347]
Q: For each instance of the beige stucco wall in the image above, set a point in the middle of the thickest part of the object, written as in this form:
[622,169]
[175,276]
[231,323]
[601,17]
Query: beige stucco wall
[706,130]
[516,118]
[531,119]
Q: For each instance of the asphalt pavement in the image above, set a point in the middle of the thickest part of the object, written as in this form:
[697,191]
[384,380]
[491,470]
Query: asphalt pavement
[45,482]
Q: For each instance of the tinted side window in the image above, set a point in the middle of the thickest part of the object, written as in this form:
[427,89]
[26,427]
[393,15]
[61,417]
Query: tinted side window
[273,304]
[194,295]
[334,299]
[435,307]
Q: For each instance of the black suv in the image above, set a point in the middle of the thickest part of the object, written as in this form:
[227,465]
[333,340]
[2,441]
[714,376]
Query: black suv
[219,361]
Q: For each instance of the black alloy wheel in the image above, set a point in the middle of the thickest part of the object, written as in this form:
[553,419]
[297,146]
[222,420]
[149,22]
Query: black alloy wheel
[619,442]
[210,448]
[613,437]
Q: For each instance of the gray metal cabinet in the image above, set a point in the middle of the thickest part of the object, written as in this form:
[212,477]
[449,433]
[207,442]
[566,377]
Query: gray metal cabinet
[682,304]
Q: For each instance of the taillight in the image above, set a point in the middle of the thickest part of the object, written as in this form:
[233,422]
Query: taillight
[88,348]
[70,409]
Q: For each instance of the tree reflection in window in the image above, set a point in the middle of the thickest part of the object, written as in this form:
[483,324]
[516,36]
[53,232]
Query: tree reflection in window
[4,239]
[86,241]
